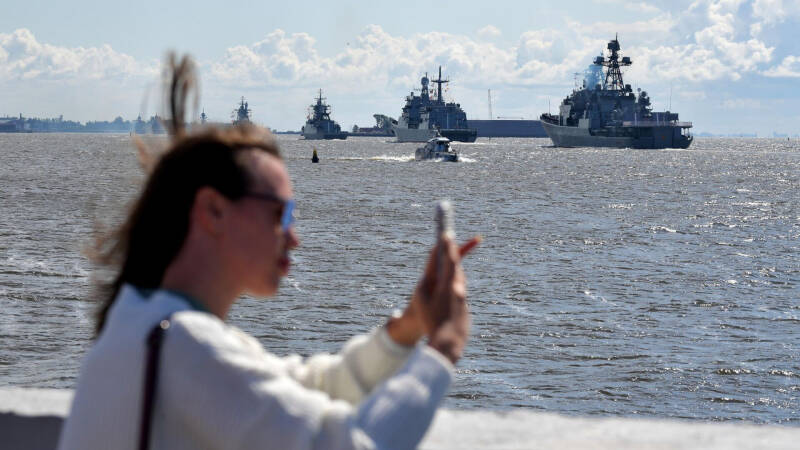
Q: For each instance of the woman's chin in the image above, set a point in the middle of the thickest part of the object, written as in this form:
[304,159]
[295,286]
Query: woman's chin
[264,290]
[283,266]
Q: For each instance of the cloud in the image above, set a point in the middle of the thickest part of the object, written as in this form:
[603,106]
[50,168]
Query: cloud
[489,31]
[721,43]
[716,49]
[660,25]
[23,57]
[640,7]
[374,58]
[720,36]
[789,67]
[775,11]
[749,104]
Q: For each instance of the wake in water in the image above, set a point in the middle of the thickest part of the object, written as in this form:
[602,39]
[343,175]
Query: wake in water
[461,159]
[403,158]
[392,158]
[374,158]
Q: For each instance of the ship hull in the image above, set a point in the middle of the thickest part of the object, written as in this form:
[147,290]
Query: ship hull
[314,133]
[508,128]
[425,155]
[649,138]
[424,134]
[413,134]
[320,136]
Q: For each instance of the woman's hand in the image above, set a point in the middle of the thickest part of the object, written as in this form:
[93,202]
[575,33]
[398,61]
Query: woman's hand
[406,329]
[438,306]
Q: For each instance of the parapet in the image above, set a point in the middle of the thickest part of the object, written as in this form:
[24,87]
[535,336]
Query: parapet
[31,419]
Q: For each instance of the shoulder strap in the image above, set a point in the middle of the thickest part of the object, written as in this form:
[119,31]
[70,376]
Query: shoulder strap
[154,340]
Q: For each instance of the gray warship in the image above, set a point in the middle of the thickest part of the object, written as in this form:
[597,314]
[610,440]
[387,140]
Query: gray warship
[605,112]
[241,115]
[319,124]
[423,116]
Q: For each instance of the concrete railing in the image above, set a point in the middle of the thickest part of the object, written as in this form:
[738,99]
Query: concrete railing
[31,419]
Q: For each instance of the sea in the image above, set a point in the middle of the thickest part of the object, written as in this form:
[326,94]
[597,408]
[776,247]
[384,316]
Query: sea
[610,282]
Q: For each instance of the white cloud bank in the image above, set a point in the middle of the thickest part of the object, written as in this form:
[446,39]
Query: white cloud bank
[719,47]
[489,31]
[661,49]
[776,11]
[789,67]
[23,57]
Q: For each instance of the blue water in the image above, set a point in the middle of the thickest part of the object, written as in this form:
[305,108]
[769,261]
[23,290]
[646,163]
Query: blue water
[610,282]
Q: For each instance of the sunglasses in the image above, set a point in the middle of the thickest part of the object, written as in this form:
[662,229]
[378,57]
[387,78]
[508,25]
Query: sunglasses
[287,214]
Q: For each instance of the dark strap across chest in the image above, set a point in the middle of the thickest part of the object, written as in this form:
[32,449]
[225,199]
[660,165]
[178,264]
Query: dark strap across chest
[154,341]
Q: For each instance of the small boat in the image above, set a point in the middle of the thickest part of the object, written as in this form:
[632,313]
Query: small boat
[436,149]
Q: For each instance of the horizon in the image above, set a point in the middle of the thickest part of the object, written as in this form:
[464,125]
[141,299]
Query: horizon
[696,133]
[728,66]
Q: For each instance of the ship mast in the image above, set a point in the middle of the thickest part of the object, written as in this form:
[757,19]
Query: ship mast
[320,109]
[439,83]
[613,81]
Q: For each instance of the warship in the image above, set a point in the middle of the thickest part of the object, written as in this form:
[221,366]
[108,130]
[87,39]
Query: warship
[605,112]
[241,115]
[423,117]
[319,124]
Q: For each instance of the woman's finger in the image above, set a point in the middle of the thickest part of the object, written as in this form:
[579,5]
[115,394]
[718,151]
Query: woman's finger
[469,245]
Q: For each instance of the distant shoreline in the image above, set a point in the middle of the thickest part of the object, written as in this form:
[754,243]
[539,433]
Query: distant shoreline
[700,135]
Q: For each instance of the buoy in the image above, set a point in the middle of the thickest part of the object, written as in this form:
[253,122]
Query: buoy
[314,157]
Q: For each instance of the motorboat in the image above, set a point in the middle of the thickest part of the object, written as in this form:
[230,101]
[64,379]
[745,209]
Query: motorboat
[437,148]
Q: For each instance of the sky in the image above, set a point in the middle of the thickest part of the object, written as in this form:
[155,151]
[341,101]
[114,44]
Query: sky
[729,66]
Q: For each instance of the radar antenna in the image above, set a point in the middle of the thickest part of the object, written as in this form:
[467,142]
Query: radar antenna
[613,62]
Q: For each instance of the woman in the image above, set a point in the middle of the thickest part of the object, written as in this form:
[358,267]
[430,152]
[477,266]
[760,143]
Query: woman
[213,222]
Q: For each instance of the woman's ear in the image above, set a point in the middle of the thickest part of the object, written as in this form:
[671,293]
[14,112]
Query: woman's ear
[209,210]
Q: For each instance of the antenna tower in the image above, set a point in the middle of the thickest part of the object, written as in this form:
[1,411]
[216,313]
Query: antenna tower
[490,104]
[613,79]
[439,83]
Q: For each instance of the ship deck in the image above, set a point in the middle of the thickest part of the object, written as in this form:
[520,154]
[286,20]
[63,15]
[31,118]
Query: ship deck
[654,123]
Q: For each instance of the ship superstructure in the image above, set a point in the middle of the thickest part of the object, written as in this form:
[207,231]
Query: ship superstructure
[319,124]
[604,112]
[241,115]
[423,116]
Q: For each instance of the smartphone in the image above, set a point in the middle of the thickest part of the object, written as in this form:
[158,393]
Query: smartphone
[444,219]
[444,228]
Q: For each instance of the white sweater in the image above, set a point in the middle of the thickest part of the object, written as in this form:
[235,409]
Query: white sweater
[219,389]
